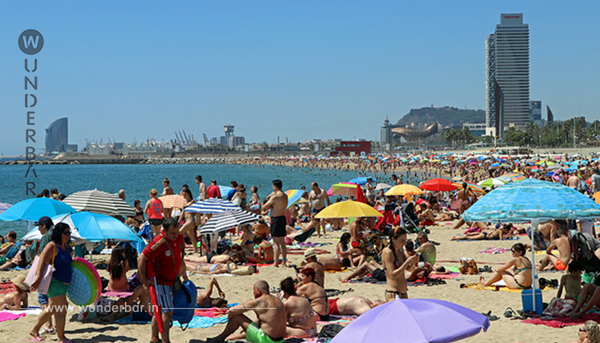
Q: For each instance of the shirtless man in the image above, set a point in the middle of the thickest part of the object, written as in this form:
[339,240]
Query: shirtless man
[204,300]
[277,203]
[271,318]
[310,261]
[395,264]
[427,251]
[562,244]
[546,234]
[201,187]
[396,179]
[318,197]
[467,197]
[355,228]
[573,181]
[315,293]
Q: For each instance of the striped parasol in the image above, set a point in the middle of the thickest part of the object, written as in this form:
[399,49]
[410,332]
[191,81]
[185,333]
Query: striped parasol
[96,201]
[212,206]
[4,206]
[173,201]
[474,187]
[228,220]
[294,196]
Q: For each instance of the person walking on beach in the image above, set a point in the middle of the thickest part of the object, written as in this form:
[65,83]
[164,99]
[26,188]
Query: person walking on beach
[213,190]
[201,187]
[46,227]
[277,203]
[58,252]
[154,210]
[318,197]
[165,254]
[271,315]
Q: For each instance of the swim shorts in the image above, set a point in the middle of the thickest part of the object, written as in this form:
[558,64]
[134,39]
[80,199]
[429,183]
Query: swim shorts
[559,265]
[165,297]
[315,211]
[333,308]
[209,257]
[355,244]
[155,222]
[56,288]
[42,299]
[346,262]
[257,335]
[278,226]
[379,274]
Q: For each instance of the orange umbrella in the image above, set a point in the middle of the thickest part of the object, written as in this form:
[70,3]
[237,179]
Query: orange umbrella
[173,201]
[404,190]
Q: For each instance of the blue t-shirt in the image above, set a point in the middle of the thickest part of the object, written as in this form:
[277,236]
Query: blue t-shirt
[230,194]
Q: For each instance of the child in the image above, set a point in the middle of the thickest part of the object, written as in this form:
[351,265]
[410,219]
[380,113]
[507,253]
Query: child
[265,249]
[571,282]
[18,299]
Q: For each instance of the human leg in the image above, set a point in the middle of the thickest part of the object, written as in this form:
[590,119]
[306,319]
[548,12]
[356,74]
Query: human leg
[232,324]
[60,303]
[353,306]
[495,277]
[594,300]
[189,229]
[279,247]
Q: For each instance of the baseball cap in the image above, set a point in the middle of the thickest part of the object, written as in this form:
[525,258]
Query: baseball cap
[54,191]
[46,221]
[310,252]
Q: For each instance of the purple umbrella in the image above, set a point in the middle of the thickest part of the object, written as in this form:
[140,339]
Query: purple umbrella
[414,321]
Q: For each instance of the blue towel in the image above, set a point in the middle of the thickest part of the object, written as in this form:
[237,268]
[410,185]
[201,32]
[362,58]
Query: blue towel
[204,322]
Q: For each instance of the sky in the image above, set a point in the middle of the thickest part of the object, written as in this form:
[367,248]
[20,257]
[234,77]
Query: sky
[125,71]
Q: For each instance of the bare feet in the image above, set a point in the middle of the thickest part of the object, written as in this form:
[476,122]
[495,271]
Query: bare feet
[482,280]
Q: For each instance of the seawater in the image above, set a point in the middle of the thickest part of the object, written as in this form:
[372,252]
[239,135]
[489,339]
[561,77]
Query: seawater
[138,179]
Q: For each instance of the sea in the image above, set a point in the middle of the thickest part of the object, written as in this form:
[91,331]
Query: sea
[138,179]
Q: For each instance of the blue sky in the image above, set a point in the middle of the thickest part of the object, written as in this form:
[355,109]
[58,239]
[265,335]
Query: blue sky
[302,70]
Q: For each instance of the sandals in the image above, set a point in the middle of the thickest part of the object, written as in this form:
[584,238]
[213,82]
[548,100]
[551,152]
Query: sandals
[510,313]
[490,316]
[486,269]
[46,331]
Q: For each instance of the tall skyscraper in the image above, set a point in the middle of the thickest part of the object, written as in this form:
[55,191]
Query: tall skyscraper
[507,62]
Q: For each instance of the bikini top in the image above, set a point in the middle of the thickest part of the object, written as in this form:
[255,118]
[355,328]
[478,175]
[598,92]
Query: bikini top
[292,320]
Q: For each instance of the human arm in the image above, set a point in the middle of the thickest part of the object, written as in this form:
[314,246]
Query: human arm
[239,309]
[510,263]
[6,248]
[147,207]
[182,269]
[562,284]
[551,247]
[125,266]
[388,261]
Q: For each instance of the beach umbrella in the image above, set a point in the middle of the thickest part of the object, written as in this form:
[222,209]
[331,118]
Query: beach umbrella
[445,162]
[99,202]
[294,196]
[224,190]
[475,188]
[228,220]
[212,206]
[532,200]
[438,185]
[555,166]
[422,321]
[4,206]
[404,190]
[491,182]
[360,180]
[173,201]
[381,186]
[348,209]
[345,189]
[512,177]
[35,208]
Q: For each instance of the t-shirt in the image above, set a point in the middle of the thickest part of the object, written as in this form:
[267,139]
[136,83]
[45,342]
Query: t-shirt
[213,191]
[596,182]
[159,255]
[230,194]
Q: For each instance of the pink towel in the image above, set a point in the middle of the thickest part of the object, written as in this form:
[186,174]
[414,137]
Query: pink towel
[4,316]
[444,276]
[213,312]
[562,322]
[117,294]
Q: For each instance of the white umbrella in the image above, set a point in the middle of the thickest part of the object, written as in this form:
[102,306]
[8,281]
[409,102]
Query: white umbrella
[381,186]
[96,201]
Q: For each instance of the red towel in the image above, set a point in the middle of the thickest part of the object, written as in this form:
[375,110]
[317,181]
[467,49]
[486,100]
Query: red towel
[7,287]
[562,322]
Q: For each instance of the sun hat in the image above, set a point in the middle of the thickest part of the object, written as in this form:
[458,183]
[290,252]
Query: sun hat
[310,252]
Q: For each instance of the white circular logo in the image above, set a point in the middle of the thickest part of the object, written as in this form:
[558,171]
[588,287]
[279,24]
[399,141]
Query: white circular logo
[168,252]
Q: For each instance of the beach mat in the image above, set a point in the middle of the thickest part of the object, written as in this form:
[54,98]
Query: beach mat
[33,310]
[562,322]
[479,240]
[7,287]
[338,320]
[203,322]
[480,287]
[4,316]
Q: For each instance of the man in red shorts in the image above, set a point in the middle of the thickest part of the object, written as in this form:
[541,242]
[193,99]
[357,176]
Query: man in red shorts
[562,244]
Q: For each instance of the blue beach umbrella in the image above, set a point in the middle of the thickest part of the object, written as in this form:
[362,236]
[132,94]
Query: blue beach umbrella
[95,227]
[532,200]
[360,180]
[34,209]
[212,206]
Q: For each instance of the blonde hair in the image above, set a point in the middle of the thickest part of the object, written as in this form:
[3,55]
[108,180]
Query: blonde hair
[153,192]
[593,331]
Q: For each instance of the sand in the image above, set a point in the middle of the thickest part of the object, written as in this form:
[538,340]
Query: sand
[239,289]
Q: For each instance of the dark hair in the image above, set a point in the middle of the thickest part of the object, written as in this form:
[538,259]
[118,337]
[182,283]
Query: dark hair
[169,222]
[135,203]
[287,285]
[409,245]
[219,302]
[395,234]
[464,185]
[278,184]
[44,194]
[115,264]
[254,189]
[315,184]
[188,192]
[308,272]
[422,234]
[257,239]
[58,231]
[234,184]
[199,178]
[12,235]
[563,228]
[575,266]
[61,197]
[519,247]
[166,180]
[345,239]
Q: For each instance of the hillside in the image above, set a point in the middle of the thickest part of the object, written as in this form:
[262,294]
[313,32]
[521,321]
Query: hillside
[446,116]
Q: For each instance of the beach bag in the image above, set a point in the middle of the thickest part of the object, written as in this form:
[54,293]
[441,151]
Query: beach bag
[330,330]
[47,272]
[583,246]
[469,268]
[184,303]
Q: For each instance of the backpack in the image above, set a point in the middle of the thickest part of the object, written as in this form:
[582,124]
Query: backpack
[184,303]
[583,246]
[330,331]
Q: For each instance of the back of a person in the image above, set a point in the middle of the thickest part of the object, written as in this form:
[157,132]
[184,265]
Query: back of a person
[156,209]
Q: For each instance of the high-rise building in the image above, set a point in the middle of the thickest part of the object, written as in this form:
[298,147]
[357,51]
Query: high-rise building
[535,110]
[507,62]
[386,132]
[57,137]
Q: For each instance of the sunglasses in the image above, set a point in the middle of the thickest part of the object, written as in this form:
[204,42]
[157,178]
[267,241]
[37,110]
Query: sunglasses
[582,330]
[67,233]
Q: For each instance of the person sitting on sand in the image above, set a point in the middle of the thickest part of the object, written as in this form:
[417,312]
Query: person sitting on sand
[502,233]
[377,244]
[516,273]
[247,240]
[346,255]
[11,240]
[310,261]
[265,250]
[204,299]
[562,244]
[301,320]
[117,267]
[571,283]
[545,235]
[261,228]
[315,294]
[371,267]
[270,311]
[419,269]
[18,299]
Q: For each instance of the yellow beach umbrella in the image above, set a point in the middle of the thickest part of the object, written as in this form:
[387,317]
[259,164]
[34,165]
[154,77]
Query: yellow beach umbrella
[404,190]
[348,209]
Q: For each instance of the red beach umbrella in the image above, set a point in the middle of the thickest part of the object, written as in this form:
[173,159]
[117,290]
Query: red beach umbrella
[438,185]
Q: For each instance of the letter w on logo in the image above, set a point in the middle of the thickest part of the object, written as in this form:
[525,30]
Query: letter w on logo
[29,40]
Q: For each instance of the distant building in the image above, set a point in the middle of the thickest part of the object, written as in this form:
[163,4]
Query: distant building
[477,129]
[348,148]
[507,63]
[386,132]
[535,110]
[235,141]
[57,137]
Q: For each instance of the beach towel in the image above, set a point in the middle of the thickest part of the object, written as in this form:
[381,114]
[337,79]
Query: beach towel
[562,322]
[498,287]
[343,319]
[494,250]
[4,316]
[203,322]
[366,279]
[312,245]
[116,294]
[33,310]
[444,276]
[560,307]
[344,269]
[7,287]
[513,238]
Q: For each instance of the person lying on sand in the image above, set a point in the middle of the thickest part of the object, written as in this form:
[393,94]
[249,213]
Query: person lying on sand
[204,299]
[502,233]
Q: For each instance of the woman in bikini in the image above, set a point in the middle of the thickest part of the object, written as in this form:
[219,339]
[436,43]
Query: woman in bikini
[139,214]
[516,273]
[117,267]
[265,249]
[189,226]
[502,233]
[301,320]
[345,254]
[395,265]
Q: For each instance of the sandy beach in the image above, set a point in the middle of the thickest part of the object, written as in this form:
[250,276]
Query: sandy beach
[239,288]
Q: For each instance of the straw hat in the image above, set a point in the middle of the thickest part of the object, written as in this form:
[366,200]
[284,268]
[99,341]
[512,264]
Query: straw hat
[310,252]
[19,281]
